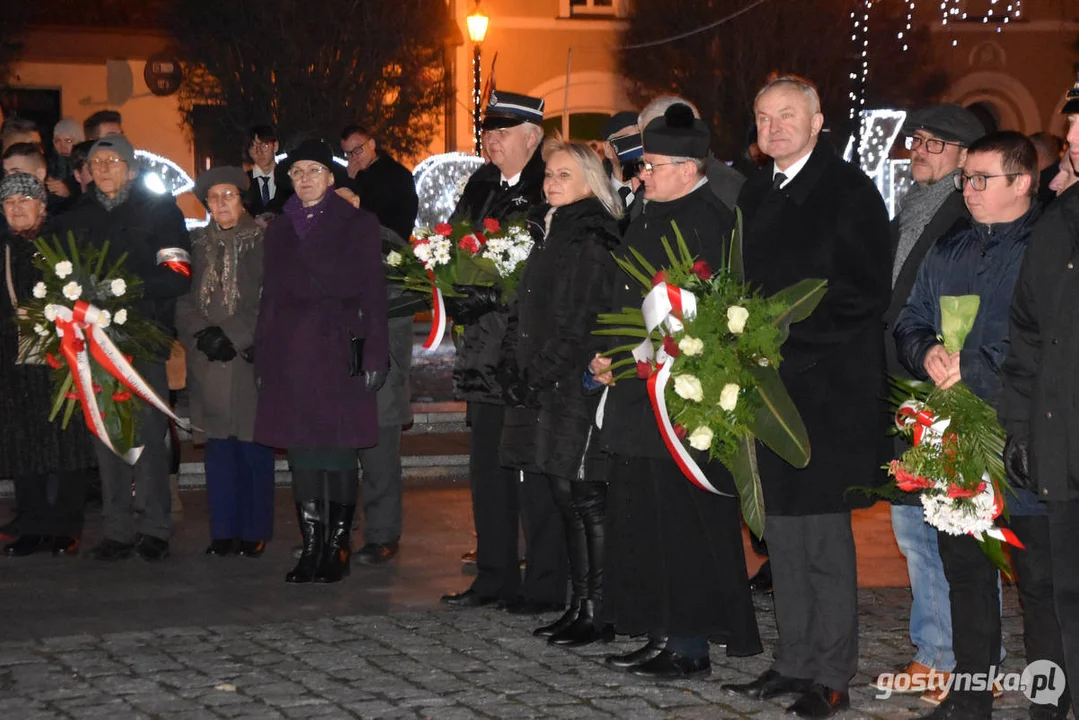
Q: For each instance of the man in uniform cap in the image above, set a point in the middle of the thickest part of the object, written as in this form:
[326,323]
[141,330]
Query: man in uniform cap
[628,150]
[506,189]
[674,565]
[937,137]
[620,126]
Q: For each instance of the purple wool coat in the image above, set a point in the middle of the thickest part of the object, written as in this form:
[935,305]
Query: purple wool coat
[315,290]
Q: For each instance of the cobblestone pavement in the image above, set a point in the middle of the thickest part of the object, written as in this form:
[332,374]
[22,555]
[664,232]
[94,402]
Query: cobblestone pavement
[421,664]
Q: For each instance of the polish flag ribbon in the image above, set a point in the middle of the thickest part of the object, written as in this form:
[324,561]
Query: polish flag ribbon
[438,320]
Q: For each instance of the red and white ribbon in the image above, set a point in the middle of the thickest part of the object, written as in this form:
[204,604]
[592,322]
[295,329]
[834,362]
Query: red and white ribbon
[80,327]
[438,319]
[175,259]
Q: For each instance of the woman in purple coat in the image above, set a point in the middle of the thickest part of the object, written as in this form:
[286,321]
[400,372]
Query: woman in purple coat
[321,353]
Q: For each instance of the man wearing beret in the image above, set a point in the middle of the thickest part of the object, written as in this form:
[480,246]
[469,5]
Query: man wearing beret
[149,229]
[506,189]
[1039,396]
[937,138]
[812,215]
[674,567]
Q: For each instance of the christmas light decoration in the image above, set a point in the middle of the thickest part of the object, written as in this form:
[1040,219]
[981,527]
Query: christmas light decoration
[440,180]
[904,34]
[162,175]
[879,130]
[861,28]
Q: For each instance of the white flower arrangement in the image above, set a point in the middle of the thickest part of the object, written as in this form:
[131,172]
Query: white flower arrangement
[434,251]
[40,291]
[104,318]
[63,269]
[118,287]
[688,387]
[948,515]
[393,259]
[728,396]
[736,319]
[72,291]
[40,330]
[690,346]
[701,438]
[509,251]
[121,316]
[50,313]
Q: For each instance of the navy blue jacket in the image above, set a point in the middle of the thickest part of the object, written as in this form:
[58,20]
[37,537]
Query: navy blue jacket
[972,259]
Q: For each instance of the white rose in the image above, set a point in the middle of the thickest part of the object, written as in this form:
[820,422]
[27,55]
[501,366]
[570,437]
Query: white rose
[50,313]
[63,269]
[72,291]
[736,319]
[728,396]
[688,388]
[393,259]
[691,346]
[118,287]
[701,438]
[41,330]
[121,316]
[40,291]
[104,318]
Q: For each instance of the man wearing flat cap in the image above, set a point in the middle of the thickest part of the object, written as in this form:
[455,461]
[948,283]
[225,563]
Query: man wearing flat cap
[937,137]
[1039,396]
[674,566]
[811,215]
[506,189]
[149,229]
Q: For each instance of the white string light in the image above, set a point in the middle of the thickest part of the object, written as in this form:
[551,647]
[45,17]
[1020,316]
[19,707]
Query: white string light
[439,182]
[860,27]
[904,34]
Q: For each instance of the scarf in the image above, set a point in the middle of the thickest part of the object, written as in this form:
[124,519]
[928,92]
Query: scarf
[111,204]
[304,218]
[919,206]
[220,251]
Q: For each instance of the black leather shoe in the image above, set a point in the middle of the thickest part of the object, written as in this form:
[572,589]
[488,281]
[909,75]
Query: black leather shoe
[251,548]
[820,702]
[769,685]
[65,546]
[672,666]
[151,549]
[223,547]
[654,647]
[520,606]
[376,553]
[963,706]
[762,581]
[110,550]
[568,618]
[468,599]
[27,545]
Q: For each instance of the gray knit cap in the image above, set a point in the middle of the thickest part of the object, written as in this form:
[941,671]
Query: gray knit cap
[23,184]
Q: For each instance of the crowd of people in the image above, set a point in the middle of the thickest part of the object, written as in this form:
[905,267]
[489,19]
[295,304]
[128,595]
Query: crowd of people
[295,341]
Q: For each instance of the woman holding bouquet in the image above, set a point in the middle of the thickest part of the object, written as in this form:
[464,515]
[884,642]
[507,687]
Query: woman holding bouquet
[548,425]
[216,323]
[321,353]
[49,464]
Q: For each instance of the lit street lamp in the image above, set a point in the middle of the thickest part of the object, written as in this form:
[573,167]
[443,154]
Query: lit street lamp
[477,30]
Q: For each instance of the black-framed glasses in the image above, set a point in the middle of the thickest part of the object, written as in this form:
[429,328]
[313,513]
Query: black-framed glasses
[977,182]
[647,167]
[356,150]
[933,146]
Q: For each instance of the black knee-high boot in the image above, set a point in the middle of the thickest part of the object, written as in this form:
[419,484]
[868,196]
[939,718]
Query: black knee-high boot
[576,545]
[337,554]
[307,491]
[590,502]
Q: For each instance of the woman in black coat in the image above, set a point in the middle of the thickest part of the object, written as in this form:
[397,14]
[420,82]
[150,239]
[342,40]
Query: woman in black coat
[49,464]
[548,342]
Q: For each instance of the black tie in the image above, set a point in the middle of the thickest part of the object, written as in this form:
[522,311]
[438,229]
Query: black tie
[778,180]
[505,185]
[265,189]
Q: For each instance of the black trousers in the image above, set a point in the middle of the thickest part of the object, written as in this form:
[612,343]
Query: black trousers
[1034,577]
[1064,551]
[52,504]
[501,499]
[975,604]
[815,577]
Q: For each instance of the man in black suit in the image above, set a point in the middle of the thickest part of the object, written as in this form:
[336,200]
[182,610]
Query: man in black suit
[269,189]
[812,215]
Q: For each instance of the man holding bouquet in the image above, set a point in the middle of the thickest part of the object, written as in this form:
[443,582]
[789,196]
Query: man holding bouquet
[981,257]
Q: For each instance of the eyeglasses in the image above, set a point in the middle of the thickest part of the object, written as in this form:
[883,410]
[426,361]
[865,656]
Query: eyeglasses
[259,145]
[109,162]
[647,167]
[933,146]
[356,150]
[222,197]
[299,173]
[977,182]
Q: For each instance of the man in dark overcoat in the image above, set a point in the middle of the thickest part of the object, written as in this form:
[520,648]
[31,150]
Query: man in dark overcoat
[506,189]
[812,215]
[674,566]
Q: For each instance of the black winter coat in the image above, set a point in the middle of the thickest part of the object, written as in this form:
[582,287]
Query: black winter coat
[142,227]
[629,423]
[828,222]
[1041,387]
[475,371]
[387,189]
[566,284]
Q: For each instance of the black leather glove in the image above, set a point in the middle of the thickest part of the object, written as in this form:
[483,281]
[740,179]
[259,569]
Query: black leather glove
[215,344]
[1017,462]
[373,380]
[475,302]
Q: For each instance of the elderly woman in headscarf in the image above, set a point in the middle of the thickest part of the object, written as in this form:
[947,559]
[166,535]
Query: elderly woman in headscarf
[216,322]
[321,353]
[49,464]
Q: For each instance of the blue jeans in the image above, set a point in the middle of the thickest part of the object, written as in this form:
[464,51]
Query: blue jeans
[930,611]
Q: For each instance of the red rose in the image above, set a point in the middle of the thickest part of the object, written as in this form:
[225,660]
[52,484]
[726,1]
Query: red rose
[414,241]
[906,480]
[71,396]
[53,362]
[680,432]
[644,370]
[469,244]
[481,238]
[122,396]
[491,225]
[658,278]
[702,269]
[670,346]
[444,229]
[956,491]
[97,388]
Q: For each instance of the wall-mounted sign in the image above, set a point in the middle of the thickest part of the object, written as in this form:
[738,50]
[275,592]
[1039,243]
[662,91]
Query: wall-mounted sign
[163,74]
